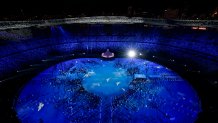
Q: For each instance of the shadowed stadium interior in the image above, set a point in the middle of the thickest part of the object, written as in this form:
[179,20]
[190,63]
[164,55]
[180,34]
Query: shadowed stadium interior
[133,63]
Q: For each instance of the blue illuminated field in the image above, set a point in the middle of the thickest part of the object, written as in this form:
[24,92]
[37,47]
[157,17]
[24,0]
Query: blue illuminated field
[91,90]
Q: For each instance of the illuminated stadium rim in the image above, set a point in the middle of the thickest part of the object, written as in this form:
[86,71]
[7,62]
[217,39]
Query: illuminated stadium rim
[4,25]
[204,55]
[61,58]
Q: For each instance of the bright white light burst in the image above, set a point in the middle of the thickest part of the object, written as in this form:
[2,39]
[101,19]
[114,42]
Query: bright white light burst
[131,53]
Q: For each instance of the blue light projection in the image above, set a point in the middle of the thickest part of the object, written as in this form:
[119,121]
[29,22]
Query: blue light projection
[104,76]
[91,90]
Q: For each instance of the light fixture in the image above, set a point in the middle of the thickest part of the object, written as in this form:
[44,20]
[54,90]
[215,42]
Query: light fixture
[131,53]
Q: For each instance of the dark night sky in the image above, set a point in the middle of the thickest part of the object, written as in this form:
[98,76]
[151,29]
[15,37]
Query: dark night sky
[34,7]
